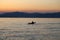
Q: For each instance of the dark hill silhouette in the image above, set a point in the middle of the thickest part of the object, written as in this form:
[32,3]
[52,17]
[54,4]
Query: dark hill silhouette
[31,15]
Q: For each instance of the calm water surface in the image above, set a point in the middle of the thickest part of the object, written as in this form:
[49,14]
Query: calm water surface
[18,29]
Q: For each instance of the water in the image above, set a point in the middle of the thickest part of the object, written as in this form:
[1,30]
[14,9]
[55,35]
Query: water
[18,29]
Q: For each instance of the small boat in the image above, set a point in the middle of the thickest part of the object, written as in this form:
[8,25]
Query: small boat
[32,22]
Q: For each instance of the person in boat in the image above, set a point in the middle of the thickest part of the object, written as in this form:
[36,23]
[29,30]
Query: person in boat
[32,22]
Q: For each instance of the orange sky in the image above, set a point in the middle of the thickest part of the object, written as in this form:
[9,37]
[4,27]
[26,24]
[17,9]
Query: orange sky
[29,5]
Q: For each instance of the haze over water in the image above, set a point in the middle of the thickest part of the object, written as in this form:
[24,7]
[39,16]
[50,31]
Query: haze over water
[18,29]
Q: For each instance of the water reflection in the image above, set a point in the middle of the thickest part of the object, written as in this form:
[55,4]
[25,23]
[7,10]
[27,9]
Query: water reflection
[14,30]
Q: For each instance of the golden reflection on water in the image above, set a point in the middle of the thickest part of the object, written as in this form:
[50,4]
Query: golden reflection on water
[30,19]
[18,29]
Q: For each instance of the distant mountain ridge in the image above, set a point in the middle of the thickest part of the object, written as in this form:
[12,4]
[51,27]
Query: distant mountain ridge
[31,15]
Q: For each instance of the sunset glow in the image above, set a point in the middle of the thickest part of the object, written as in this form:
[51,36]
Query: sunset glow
[30,5]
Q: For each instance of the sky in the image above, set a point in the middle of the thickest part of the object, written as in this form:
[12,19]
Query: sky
[30,5]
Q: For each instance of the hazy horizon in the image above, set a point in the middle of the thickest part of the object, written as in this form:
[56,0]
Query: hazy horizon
[30,5]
